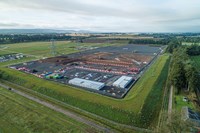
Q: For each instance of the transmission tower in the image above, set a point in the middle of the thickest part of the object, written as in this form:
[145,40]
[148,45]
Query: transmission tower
[53,47]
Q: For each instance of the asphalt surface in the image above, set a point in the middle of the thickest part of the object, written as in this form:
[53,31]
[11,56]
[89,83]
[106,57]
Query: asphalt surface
[58,109]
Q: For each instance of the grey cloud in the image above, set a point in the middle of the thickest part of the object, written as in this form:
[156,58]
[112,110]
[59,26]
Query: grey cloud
[77,8]
[15,25]
[62,6]
[9,24]
[179,20]
[112,15]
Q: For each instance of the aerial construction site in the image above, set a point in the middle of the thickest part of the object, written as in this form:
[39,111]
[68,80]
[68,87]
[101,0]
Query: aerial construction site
[110,71]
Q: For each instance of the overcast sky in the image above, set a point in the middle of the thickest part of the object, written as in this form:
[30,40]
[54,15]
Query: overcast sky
[102,15]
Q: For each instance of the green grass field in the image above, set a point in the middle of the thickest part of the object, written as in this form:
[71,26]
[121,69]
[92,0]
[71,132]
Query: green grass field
[18,114]
[12,62]
[189,43]
[2,52]
[180,103]
[43,49]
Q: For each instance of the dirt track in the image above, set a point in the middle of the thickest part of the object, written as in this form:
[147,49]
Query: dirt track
[170,103]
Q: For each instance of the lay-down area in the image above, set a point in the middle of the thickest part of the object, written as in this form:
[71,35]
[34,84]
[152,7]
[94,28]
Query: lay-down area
[110,71]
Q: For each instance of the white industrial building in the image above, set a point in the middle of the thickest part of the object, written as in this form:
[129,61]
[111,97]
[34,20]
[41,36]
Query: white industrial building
[87,83]
[123,81]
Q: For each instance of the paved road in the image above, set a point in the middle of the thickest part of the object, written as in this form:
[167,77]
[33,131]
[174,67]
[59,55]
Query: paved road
[58,109]
[170,103]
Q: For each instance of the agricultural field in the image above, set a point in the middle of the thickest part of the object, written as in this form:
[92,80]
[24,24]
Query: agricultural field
[18,114]
[189,43]
[126,37]
[43,49]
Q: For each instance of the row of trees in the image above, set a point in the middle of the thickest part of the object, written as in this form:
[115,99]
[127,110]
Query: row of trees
[183,74]
[149,41]
[193,50]
[5,39]
[173,44]
[194,40]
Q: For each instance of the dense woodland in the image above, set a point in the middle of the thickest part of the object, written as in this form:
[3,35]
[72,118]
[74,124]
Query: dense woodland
[183,74]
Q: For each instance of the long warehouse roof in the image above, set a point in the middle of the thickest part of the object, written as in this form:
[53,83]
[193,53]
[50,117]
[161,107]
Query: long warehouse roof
[87,83]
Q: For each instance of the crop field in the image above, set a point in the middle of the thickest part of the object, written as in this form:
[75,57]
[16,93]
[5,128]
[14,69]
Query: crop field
[126,37]
[123,111]
[18,114]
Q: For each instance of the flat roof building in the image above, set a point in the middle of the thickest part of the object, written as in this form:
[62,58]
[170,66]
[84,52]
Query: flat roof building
[122,82]
[87,83]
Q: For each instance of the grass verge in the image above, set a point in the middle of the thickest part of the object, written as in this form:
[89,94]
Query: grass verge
[18,114]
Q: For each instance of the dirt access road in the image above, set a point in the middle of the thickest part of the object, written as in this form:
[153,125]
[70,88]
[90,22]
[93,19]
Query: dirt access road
[170,103]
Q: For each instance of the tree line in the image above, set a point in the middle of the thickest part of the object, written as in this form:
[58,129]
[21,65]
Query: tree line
[183,75]
[149,41]
[193,50]
[18,38]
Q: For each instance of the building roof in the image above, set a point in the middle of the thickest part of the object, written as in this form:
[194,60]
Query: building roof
[87,83]
[123,81]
